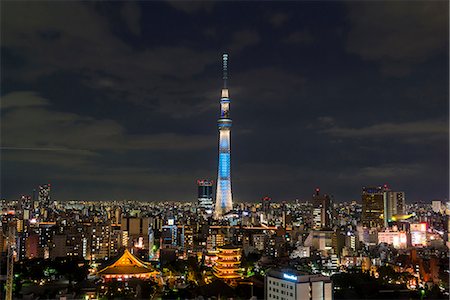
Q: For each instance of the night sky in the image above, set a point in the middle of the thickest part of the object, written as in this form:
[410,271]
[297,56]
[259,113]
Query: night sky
[112,100]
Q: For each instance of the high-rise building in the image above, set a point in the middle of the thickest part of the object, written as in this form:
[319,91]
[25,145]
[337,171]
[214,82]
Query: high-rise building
[265,204]
[372,206]
[187,240]
[44,194]
[290,284]
[135,232]
[394,204]
[205,195]
[169,235]
[322,211]
[224,202]
[151,243]
[98,235]
[380,204]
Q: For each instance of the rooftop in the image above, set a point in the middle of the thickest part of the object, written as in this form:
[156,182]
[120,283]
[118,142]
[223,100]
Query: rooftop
[296,276]
[127,264]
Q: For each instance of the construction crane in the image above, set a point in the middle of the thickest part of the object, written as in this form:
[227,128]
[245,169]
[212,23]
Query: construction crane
[11,244]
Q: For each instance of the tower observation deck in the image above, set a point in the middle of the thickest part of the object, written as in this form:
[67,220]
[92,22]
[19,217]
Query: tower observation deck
[224,201]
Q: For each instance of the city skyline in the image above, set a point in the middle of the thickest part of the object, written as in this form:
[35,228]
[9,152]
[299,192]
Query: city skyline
[328,98]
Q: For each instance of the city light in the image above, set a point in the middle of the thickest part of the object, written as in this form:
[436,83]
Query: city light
[224,150]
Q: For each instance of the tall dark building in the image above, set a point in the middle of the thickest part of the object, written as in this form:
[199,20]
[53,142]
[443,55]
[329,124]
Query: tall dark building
[44,194]
[380,204]
[322,210]
[205,195]
[373,200]
[265,204]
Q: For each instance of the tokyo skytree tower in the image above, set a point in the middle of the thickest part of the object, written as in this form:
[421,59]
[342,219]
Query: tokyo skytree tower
[224,200]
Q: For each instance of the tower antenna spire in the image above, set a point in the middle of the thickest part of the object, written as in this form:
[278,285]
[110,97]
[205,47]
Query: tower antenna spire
[225,69]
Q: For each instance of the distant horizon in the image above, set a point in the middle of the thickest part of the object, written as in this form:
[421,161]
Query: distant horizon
[303,200]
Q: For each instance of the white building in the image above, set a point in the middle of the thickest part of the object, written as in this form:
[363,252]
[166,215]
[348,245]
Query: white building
[330,264]
[436,205]
[398,239]
[317,218]
[418,234]
[300,252]
[320,240]
[292,285]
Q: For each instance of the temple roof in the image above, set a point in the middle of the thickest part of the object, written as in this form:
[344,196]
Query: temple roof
[127,264]
[229,247]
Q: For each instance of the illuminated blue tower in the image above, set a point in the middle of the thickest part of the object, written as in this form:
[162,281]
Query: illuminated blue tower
[224,201]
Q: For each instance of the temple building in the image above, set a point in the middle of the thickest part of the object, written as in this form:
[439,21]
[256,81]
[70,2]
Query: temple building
[227,265]
[126,267]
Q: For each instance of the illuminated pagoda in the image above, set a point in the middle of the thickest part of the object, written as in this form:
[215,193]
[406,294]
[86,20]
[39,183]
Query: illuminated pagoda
[126,267]
[227,266]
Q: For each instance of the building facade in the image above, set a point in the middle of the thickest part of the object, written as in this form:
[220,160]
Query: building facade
[395,205]
[205,195]
[292,285]
[322,211]
[372,206]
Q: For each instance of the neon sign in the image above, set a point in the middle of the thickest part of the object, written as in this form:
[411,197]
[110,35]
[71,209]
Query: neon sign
[290,277]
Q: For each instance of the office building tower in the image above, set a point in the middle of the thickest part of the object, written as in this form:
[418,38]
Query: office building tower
[135,232]
[265,204]
[290,284]
[44,194]
[26,202]
[169,235]
[394,204]
[151,243]
[322,211]
[98,235]
[115,241]
[373,199]
[205,195]
[224,202]
[187,244]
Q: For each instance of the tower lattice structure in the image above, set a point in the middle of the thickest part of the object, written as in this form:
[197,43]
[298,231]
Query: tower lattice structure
[224,200]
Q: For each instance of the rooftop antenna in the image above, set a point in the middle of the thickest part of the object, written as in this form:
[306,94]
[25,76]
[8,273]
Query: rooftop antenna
[225,69]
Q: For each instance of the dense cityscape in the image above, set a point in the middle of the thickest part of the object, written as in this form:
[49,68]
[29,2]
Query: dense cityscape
[141,160]
[74,249]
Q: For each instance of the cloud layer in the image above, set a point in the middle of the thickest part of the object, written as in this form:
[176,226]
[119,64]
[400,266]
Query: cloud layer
[120,100]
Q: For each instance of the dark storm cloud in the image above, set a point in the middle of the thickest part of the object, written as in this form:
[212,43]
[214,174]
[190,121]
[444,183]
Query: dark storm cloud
[131,12]
[28,123]
[278,19]
[398,34]
[243,39]
[423,130]
[120,100]
[192,6]
[299,37]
